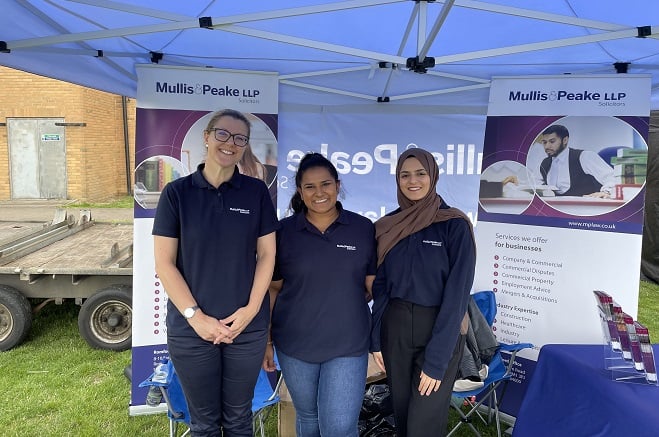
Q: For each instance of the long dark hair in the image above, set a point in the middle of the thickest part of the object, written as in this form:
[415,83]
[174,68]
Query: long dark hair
[310,160]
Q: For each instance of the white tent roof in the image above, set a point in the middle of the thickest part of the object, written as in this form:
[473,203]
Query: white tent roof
[346,52]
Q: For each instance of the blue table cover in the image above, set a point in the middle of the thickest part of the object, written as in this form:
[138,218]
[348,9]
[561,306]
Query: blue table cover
[572,394]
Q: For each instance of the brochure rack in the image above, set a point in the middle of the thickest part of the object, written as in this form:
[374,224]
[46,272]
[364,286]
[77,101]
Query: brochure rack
[628,354]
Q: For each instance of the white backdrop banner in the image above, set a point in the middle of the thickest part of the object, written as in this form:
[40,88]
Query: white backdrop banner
[543,252]
[174,106]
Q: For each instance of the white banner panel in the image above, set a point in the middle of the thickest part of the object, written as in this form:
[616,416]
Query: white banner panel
[174,106]
[365,148]
[204,88]
[544,277]
[561,210]
[579,95]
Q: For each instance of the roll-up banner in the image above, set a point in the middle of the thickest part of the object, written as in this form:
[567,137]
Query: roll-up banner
[560,211]
[174,106]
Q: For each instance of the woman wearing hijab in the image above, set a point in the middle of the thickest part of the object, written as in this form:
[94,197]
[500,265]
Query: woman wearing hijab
[426,260]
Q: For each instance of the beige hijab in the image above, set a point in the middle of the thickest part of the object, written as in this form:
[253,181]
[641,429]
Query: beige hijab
[414,215]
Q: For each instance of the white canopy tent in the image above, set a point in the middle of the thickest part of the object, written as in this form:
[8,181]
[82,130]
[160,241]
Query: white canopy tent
[344,52]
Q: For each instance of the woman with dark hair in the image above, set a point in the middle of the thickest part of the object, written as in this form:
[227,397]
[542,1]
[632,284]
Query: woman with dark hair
[426,261]
[214,244]
[321,319]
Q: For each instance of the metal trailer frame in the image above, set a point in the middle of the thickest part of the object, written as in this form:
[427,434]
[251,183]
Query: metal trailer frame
[67,259]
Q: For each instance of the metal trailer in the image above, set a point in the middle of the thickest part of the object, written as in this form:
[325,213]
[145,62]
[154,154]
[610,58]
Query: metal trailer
[68,259]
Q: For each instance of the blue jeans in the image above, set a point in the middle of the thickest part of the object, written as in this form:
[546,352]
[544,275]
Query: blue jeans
[327,396]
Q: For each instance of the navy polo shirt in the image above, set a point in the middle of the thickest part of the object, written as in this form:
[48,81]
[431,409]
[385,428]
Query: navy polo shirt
[217,230]
[321,312]
[433,267]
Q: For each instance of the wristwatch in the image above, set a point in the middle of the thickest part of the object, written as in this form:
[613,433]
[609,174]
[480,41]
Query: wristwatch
[188,313]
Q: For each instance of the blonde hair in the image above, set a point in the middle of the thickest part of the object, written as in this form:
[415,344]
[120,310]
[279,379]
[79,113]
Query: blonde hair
[250,165]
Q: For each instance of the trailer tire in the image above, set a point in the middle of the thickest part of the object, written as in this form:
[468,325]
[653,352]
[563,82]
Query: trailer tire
[15,317]
[105,319]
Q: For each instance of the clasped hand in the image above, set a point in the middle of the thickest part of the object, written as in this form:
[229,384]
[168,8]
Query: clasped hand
[224,330]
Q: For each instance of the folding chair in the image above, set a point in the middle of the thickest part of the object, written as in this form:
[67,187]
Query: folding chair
[498,376]
[265,398]
[172,394]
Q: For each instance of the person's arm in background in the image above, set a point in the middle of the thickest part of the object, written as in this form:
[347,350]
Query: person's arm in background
[269,359]
[178,292]
[380,301]
[368,285]
[509,179]
[266,248]
[371,270]
[594,165]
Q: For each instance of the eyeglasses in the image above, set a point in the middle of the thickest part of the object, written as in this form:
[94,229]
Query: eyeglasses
[223,135]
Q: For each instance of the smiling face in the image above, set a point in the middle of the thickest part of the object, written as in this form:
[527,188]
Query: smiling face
[319,191]
[225,154]
[553,144]
[413,179]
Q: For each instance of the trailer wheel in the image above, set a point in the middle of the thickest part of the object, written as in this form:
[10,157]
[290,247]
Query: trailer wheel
[15,317]
[105,319]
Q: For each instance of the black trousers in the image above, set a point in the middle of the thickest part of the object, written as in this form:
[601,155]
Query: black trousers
[406,329]
[218,381]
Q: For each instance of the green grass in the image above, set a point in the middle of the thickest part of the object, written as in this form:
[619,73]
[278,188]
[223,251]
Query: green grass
[55,385]
[121,202]
[648,308]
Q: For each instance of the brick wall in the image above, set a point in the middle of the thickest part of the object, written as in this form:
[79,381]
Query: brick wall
[95,153]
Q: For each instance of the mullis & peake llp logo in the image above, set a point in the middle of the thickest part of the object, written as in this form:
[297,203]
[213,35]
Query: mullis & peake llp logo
[205,89]
[603,98]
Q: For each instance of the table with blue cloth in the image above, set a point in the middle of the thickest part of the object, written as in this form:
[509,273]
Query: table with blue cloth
[572,394]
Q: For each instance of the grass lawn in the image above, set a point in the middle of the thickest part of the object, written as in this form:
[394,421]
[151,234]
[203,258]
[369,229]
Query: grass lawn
[55,385]
[119,202]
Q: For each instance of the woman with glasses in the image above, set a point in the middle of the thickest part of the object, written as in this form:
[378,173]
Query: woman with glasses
[214,243]
[426,261]
[321,320]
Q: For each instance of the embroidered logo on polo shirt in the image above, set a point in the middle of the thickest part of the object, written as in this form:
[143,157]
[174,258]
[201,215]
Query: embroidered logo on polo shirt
[346,247]
[240,210]
[433,243]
